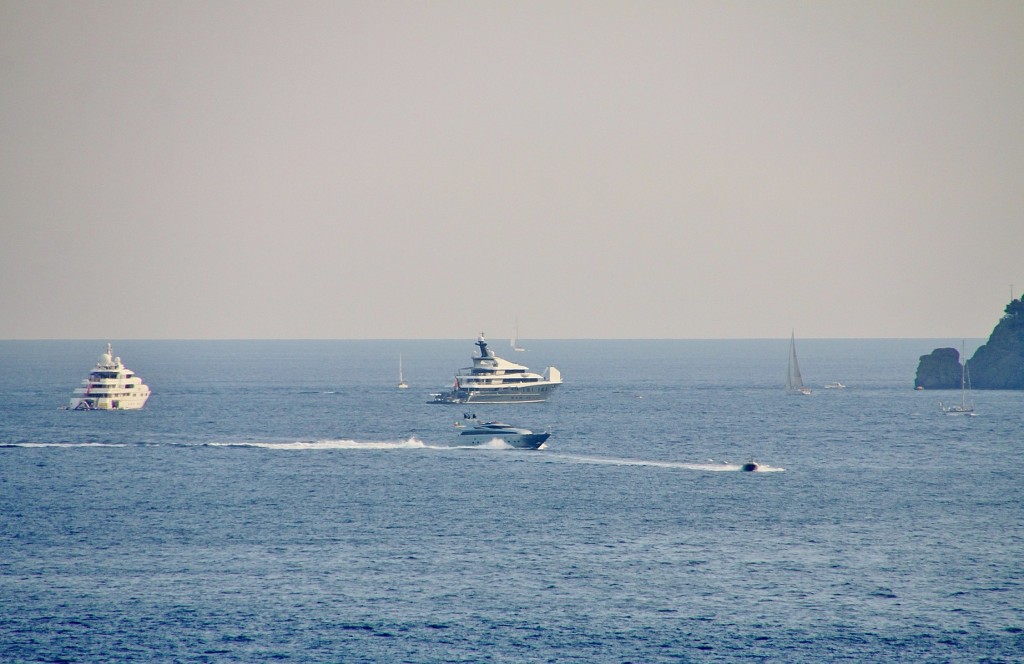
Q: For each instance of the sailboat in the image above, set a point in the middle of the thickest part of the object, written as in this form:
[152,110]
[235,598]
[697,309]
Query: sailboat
[401,381]
[514,340]
[794,383]
[965,381]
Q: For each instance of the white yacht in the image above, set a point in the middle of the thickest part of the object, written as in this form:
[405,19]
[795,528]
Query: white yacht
[475,432]
[492,379]
[110,386]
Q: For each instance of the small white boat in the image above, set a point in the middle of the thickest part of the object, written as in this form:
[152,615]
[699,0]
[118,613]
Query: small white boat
[794,383]
[110,386]
[836,385]
[474,432]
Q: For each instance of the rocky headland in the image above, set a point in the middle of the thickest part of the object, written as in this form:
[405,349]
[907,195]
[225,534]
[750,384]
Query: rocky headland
[996,365]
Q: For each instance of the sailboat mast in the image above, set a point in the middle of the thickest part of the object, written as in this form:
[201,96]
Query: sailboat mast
[789,366]
[963,375]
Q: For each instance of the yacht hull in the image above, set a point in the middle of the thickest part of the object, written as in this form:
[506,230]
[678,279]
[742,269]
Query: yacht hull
[521,441]
[123,403]
[531,394]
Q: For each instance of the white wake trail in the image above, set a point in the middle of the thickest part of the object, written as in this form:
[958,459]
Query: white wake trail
[65,445]
[336,444]
[714,467]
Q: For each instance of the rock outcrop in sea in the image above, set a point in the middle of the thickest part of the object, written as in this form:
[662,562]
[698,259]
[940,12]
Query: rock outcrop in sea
[997,365]
[939,370]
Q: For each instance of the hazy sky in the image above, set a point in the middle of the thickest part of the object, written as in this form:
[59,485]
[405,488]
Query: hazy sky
[434,169]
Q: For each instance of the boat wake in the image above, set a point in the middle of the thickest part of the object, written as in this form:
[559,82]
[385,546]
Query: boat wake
[339,444]
[709,466]
[413,443]
[493,444]
[350,444]
[64,445]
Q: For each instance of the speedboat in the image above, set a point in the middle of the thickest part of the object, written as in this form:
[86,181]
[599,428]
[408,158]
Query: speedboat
[492,379]
[110,386]
[474,432]
[836,385]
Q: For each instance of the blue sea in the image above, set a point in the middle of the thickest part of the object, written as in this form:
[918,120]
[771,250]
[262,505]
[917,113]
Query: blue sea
[283,501]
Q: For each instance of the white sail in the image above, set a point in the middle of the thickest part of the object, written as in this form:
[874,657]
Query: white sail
[794,382]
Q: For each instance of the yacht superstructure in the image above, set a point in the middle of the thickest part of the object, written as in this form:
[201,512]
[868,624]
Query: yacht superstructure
[492,379]
[110,386]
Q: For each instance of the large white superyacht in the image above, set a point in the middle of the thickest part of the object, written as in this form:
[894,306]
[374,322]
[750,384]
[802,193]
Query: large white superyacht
[492,379]
[110,386]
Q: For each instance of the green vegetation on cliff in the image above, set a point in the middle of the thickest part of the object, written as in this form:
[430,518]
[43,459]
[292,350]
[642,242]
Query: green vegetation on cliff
[996,365]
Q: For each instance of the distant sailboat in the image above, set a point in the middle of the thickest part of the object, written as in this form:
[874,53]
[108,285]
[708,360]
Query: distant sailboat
[794,383]
[401,381]
[515,337]
[965,385]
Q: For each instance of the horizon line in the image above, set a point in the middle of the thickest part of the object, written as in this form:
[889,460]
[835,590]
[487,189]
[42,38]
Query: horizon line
[28,339]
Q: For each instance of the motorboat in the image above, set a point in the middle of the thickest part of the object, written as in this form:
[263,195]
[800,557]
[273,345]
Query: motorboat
[835,385]
[750,467]
[474,432]
[492,379]
[110,386]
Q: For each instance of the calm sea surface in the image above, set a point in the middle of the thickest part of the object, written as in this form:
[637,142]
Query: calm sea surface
[281,500]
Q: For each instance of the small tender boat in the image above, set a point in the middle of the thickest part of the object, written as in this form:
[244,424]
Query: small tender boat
[836,385]
[474,432]
[749,467]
